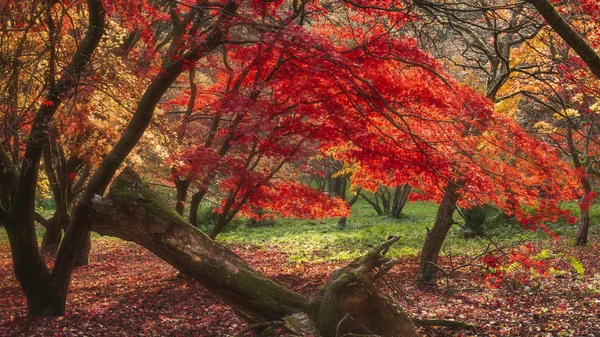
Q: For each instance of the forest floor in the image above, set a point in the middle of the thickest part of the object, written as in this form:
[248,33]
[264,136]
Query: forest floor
[126,291]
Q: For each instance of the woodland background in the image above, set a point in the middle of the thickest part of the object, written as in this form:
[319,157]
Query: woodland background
[333,168]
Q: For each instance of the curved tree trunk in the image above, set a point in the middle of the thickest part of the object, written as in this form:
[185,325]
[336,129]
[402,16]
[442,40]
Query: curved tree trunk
[133,212]
[40,287]
[348,303]
[195,206]
[435,237]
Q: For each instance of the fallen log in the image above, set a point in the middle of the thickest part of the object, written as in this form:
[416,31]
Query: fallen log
[348,303]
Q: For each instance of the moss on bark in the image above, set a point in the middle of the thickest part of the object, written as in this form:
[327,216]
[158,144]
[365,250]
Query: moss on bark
[348,303]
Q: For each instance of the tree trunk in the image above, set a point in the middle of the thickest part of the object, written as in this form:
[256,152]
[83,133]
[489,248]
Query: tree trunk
[335,186]
[195,205]
[348,303]
[584,225]
[570,36]
[78,227]
[133,212]
[43,297]
[384,194]
[435,237]
[83,254]
[401,194]
[586,201]
[373,204]
[52,235]
[342,195]
[182,189]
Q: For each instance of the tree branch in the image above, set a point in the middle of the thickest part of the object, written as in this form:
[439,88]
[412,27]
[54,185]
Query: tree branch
[570,36]
[41,220]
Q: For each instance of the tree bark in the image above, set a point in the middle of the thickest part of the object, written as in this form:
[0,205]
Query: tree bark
[82,258]
[348,303]
[584,224]
[584,218]
[43,298]
[570,36]
[436,236]
[182,189]
[8,177]
[133,212]
[52,235]
[195,206]
[40,288]
[75,234]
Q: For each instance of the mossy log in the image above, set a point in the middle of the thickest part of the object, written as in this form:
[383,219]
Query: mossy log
[347,303]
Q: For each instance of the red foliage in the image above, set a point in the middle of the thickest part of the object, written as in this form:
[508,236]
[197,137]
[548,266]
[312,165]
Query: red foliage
[301,92]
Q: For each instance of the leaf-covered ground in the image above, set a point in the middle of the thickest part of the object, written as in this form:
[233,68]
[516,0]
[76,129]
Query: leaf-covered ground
[126,291]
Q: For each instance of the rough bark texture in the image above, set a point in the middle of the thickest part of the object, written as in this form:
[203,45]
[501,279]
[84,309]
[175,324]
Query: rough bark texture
[133,212]
[348,303]
[436,236]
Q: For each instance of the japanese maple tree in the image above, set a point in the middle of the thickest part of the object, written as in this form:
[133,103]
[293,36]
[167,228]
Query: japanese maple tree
[283,81]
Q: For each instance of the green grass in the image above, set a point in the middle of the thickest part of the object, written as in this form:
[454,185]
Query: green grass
[318,240]
[322,240]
